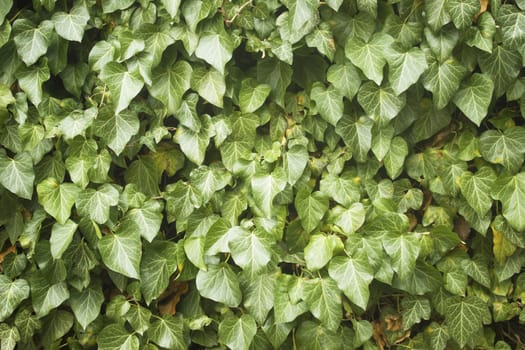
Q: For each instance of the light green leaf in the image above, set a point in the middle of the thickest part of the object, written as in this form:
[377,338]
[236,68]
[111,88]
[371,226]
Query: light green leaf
[356,134]
[502,66]
[116,337]
[456,282]
[31,80]
[32,41]
[287,298]
[369,56]
[17,174]
[351,219]
[380,102]
[344,189]
[474,97]
[71,26]
[510,190]
[252,95]
[195,11]
[12,294]
[216,49]
[415,309]
[313,336]
[329,102]
[462,12]
[405,68]
[353,275]
[77,122]
[124,85]
[302,18]
[323,40]
[324,301]
[476,189]
[506,148]
[251,250]
[4,9]
[46,296]
[442,79]
[61,237]
[121,252]
[139,318]
[220,284]
[172,6]
[381,140]
[464,317]
[9,337]
[169,333]
[319,251]
[146,219]
[345,78]
[436,14]
[295,161]
[482,36]
[181,200]
[57,199]
[210,179]
[86,304]
[265,187]
[27,324]
[116,129]
[159,262]
[512,22]
[258,295]
[237,332]
[442,43]
[311,208]
[95,204]
[171,80]
[278,75]
[403,250]
[209,84]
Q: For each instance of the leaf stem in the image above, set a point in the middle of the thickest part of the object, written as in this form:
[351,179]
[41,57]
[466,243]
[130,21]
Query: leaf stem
[230,21]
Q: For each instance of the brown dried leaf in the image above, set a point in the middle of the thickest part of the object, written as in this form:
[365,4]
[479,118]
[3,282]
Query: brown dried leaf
[171,297]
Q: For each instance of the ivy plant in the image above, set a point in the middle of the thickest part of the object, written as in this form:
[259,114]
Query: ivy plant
[262,174]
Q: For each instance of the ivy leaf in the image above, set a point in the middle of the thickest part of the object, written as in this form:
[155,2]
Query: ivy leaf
[510,190]
[172,79]
[139,318]
[17,174]
[169,333]
[124,85]
[512,22]
[32,41]
[319,251]
[369,56]
[121,252]
[31,80]
[77,122]
[144,173]
[476,189]
[329,102]
[4,9]
[86,304]
[324,301]
[12,293]
[250,250]
[172,6]
[474,97]
[216,48]
[71,26]
[116,129]
[181,200]
[252,95]
[505,148]
[345,78]
[61,237]
[115,336]
[380,101]
[356,134]
[209,84]
[146,219]
[351,219]
[209,180]
[265,187]
[302,18]
[258,295]
[278,75]
[158,263]
[403,249]
[312,335]
[442,79]
[437,14]
[405,68]
[323,40]
[464,317]
[220,284]
[502,66]
[353,275]
[287,298]
[462,12]
[95,204]
[311,208]
[46,296]
[237,332]
[57,199]
[415,309]
[344,189]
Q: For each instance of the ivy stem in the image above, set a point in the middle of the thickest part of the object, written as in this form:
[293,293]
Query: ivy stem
[230,21]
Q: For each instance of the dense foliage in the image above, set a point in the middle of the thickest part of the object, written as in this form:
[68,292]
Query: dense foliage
[294,174]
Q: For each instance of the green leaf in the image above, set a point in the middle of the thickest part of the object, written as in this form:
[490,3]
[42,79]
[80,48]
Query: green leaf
[415,309]
[476,189]
[57,199]
[502,66]
[95,204]
[116,337]
[287,298]
[143,172]
[12,294]
[32,41]
[512,22]
[302,18]
[265,187]
[145,220]
[31,80]
[181,200]
[329,102]
[319,251]
[121,252]
[195,11]
[442,79]
[209,84]
[171,81]
[311,208]
[464,317]
[462,12]
[252,95]
[116,129]
[405,68]
[71,26]
[403,250]
[9,337]
[17,174]
[369,56]
[436,14]
[351,219]
[313,336]
[510,190]
[139,318]
[61,237]
[209,180]
[323,40]
[4,9]
[474,97]
[169,333]
[356,134]
[124,85]
[77,122]
[172,6]
[86,305]
[378,101]
[344,189]
[216,49]
[220,284]
[237,332]
[250,250]
[27,324]
[295,161]
[505,148]
[324,301]
[353,276]
[258,295]
[46,296]
[159,262]
[345,78]
[278,75]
